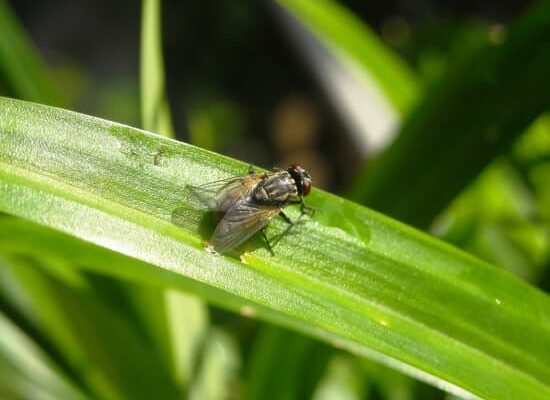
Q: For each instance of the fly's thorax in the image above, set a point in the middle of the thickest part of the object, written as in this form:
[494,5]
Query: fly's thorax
[276,189]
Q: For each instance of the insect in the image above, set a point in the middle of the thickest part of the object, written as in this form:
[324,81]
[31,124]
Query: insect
[248,203]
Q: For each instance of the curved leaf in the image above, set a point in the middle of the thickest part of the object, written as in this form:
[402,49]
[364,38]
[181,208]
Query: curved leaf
[338,27]
[350,276]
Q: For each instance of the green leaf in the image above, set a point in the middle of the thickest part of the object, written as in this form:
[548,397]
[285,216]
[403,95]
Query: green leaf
[471,117]
[155,112]
[349,276]
[345,33]
[25,73]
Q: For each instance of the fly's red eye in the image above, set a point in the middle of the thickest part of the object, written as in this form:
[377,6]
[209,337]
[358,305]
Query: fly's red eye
[301,178]
[306,186]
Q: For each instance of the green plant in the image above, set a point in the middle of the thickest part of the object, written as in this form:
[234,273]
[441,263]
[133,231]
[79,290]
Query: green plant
[94,260]
[351,277]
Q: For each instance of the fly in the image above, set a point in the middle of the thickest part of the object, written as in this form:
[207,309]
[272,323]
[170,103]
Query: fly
[248,203]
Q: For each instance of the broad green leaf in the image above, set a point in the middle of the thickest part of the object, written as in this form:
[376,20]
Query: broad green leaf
[349,276]
[155,113]
[26,238]
[26,75]
[469,118]
[345,33]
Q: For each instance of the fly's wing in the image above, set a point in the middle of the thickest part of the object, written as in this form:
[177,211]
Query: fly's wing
[216,196]
[220,195]
[240,222]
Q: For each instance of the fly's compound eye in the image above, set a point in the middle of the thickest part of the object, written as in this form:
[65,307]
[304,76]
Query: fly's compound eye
[301,177]
[306,185]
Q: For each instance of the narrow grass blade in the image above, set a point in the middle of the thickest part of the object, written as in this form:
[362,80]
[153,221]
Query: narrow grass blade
[345,33]
[155,112]
[185,317]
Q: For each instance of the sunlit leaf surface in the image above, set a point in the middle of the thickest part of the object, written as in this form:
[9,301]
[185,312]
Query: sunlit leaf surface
[349,276]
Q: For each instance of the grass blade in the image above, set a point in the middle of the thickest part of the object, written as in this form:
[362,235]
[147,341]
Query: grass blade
[155,113]
[185,318]
[341,30]
[351,277]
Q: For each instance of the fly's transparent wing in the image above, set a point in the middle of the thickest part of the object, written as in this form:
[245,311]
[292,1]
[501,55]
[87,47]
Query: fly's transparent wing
[217,196]
[240,222]
[220,195]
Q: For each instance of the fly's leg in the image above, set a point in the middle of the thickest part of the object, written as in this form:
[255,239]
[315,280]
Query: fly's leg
[305,209]
[267,243]
[290,223]
[287,218]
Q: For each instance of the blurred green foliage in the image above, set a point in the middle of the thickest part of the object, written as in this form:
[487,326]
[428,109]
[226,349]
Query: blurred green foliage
[22,71]
[484,102]
[471,163]
[503,217]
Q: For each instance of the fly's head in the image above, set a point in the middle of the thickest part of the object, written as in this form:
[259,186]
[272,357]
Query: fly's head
[301,178]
